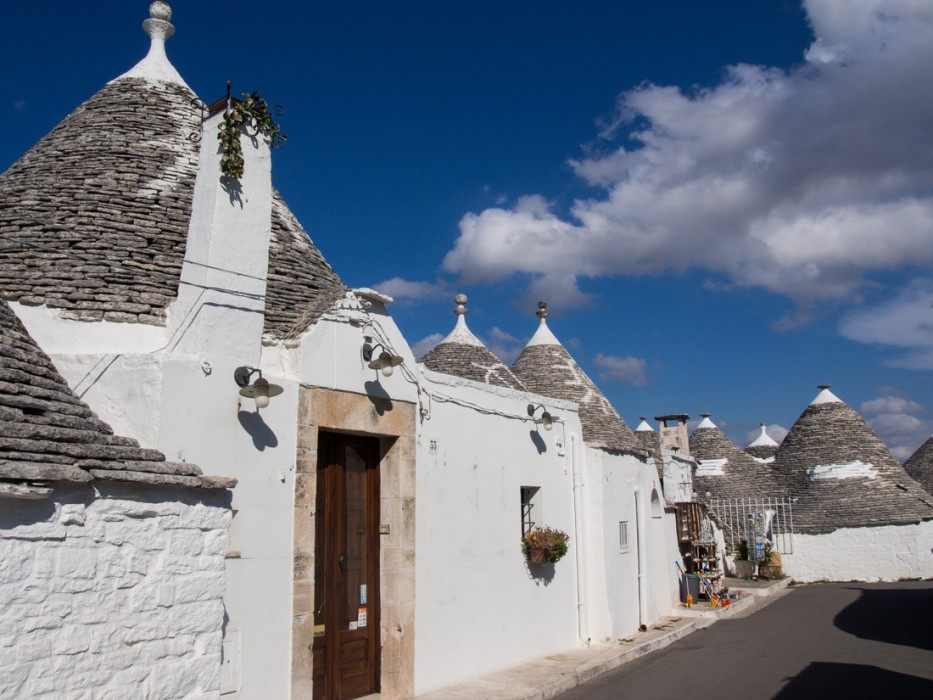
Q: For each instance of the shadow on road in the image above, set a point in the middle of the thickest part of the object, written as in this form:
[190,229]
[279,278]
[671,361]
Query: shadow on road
[892,615]
[853,682]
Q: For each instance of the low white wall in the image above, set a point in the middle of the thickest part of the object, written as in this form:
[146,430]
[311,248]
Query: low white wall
[884,553]
[614,482]
[113,594]
[478,607]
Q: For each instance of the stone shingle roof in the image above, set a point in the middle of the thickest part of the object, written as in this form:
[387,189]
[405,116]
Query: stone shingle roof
[545,367]
[301,283]
[830,440]
[649,440]
[462,354]
[47,434]
[94,218]
[741,477]
[920,465]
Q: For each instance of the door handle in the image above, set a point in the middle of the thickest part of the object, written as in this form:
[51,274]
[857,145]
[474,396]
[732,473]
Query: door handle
[342,563]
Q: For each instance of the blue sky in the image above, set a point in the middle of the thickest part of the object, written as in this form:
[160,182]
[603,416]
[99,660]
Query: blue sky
[712,239]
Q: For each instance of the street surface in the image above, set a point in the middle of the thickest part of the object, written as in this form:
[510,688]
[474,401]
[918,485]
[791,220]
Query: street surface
[829,641]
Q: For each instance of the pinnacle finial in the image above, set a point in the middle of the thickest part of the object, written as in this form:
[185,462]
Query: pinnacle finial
[461,301]
[543,312]
[159,23]
[823,387]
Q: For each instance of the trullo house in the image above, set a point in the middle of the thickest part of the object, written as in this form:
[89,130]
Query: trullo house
[111,557]
[723,470]
[857,514]
[377,523]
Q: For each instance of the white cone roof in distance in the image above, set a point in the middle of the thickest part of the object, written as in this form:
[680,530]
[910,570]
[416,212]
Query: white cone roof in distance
[763,439]
[462,354]
[724,470]
[545,367]
[920,465]
[842,475]
[644,426]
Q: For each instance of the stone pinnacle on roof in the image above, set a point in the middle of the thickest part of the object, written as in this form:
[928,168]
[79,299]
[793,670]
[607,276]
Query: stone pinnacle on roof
[644,426]
[546,368]
[462,354]
[763,447]
[825,396]
[156,66]
[706,422]
[763,439]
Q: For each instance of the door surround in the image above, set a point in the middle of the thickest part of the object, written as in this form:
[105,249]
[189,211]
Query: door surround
[393,422]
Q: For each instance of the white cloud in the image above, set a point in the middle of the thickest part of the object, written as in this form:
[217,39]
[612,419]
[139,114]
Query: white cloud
[801,181]
[425,345]
[631,370]
[404,290]
[899,421]
[905,323]
[890,404]
[777,432]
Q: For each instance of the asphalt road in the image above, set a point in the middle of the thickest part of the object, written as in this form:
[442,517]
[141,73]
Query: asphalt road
[833,641]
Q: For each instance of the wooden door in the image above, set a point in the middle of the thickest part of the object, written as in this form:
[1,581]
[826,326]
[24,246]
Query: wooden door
[346,644]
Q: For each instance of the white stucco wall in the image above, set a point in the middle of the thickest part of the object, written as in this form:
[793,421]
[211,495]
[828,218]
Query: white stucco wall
[478,608]
[615,481]
[884,553]
[112,594]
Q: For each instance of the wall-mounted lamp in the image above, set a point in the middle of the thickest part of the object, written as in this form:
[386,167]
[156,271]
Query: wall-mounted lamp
[546,420]
[384,360]
[260,390]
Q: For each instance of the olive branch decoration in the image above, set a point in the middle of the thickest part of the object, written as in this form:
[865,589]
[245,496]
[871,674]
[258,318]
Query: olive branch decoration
[250,114]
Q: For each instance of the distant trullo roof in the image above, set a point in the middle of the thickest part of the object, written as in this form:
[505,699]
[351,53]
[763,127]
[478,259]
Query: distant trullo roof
[47,434]
[462,354]
[725,471]
[546,368]
[94,217]
[763,447]
[920,465]
[842,475]
[649,440]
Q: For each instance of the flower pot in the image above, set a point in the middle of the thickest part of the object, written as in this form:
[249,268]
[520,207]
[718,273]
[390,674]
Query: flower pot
[537,555]
[744,568]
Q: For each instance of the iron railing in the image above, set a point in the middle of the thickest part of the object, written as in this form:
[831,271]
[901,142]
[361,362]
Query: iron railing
[755,522]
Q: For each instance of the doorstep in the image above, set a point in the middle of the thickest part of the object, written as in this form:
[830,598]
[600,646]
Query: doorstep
[552,675]
[759,587]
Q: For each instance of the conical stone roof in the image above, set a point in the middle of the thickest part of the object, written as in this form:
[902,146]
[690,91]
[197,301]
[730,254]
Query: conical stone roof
[920,465]
[763,447]
[47,434]
[94,217]
[462,354]
[546,368]
[842,475]
[725,471]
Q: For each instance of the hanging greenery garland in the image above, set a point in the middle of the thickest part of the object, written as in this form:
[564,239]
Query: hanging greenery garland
[252,114]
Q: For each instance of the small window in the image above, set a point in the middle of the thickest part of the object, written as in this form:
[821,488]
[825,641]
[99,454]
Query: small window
[531,508]
[623,536]
[656,510]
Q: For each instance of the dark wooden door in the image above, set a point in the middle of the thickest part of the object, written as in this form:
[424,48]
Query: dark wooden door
[346,568]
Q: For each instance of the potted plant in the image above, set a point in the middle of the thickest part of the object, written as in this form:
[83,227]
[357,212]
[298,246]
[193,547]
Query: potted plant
[543,545]
[770,565]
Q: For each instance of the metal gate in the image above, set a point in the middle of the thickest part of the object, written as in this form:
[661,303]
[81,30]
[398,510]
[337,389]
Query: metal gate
[755,521]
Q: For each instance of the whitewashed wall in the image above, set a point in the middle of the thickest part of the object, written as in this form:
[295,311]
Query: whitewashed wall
[884,553]
[478,607]
[614,483]
[112,594]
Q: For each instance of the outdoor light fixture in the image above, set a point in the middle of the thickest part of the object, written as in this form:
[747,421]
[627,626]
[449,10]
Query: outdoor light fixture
[385,361]
[546,419]
[260,390]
